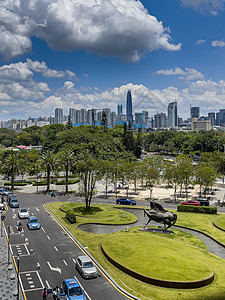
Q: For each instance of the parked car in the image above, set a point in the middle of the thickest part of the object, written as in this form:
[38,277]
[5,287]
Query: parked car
[125,201]
[33,223]
[203,201]
[86,267]
[23,213]
[11,196]
[191,202]
[14,203]
[71,290]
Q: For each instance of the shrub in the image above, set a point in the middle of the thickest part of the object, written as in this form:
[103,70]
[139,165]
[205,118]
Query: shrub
[197,209]
[15,183]
[70,216]
[63,182]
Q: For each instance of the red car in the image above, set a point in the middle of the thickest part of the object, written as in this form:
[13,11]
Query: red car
[191,202]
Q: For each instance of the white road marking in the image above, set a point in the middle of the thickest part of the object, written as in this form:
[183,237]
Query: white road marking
[48,237]
[86,294]
[74,260]
[43,229]
[65,262]
[53,268]
[37,209]
[56,248]
[48,286]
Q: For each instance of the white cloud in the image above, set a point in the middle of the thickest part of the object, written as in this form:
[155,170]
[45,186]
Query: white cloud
[121,28]
[205,6]
[24,71]
[218,43]
[189,74]
[200,42]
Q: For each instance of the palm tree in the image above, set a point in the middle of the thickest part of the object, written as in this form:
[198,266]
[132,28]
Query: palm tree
[66,159]
[12,165]
[48,161]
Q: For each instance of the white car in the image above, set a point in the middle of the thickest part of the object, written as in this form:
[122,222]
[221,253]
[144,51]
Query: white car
[86,267]
[23,213]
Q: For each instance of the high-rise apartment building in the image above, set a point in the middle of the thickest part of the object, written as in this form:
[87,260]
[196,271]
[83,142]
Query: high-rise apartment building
[160,120]
[59,115]
[129,108]
[72,115]
[172,115]
[212,117]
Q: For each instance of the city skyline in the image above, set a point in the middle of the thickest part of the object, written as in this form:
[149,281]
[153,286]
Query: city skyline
[163,51]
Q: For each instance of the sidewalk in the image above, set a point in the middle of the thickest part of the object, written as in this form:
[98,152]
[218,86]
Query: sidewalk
[8,277]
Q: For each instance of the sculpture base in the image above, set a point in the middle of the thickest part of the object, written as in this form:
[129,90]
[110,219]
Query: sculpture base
[156,230]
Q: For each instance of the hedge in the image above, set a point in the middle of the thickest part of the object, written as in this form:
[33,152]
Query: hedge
[63,182]
[70,216]
[15,183]
[197,209]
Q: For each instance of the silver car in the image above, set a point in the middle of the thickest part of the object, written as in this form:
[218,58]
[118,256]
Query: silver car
[86,267]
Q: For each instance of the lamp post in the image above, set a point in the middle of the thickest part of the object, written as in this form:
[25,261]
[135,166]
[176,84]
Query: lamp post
[18,283]
[186,184]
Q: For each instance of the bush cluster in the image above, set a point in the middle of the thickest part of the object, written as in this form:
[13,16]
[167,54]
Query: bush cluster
[15,184]
[70,216]
[197,209]
[63,182]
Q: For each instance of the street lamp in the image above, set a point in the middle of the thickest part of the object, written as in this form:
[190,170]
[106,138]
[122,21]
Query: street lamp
[18,283]
[185,171]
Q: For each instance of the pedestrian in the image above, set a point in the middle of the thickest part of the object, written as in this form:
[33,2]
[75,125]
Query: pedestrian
[54,294]
[44,294]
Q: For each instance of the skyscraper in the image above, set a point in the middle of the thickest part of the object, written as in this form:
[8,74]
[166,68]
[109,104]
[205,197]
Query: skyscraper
[194,112]
[59,115]
[129,108]
[119,109]
[172,115]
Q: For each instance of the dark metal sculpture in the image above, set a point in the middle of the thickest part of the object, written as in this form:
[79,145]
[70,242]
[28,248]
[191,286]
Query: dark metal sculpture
[158,214]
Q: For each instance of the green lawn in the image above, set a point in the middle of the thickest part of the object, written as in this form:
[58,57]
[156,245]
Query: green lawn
[169,252]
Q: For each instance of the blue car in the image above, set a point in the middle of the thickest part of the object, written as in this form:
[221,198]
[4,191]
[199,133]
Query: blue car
[125,201]
[71,290]
[33,223]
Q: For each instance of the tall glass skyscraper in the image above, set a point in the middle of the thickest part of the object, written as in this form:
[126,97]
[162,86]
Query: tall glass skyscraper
[129,108]
[59,115]
[172,115]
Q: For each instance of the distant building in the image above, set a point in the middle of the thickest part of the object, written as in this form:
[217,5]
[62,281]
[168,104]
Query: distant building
[119,109]
[160,120]
[197,125]
[129,108]
[194,112]
[139,118]
[212,117]
[172,115]
[72,115]
[59,115]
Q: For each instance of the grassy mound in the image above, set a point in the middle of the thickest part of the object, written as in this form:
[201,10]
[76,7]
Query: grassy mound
[157,256]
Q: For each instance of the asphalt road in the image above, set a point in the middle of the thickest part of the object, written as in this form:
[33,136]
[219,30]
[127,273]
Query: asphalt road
[47,256]
[54,253]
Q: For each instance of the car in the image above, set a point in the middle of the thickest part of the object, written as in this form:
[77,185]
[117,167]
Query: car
[14,203]
[33,223]
[125,201]
[203,201]
[191,202]
[11,196]
[85,267]
[23,213]
[71,290]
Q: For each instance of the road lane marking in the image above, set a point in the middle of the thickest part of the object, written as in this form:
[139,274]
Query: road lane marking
[48,237]
[56,248]
[37,209]
[48,286]
[86,294]
[57,269]
[43,229]
[65,262]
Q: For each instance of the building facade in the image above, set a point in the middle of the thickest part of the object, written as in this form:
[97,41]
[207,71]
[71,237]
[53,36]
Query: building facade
[172,115]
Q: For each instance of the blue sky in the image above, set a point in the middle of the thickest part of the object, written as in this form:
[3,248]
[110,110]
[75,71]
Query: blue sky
[87,54]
